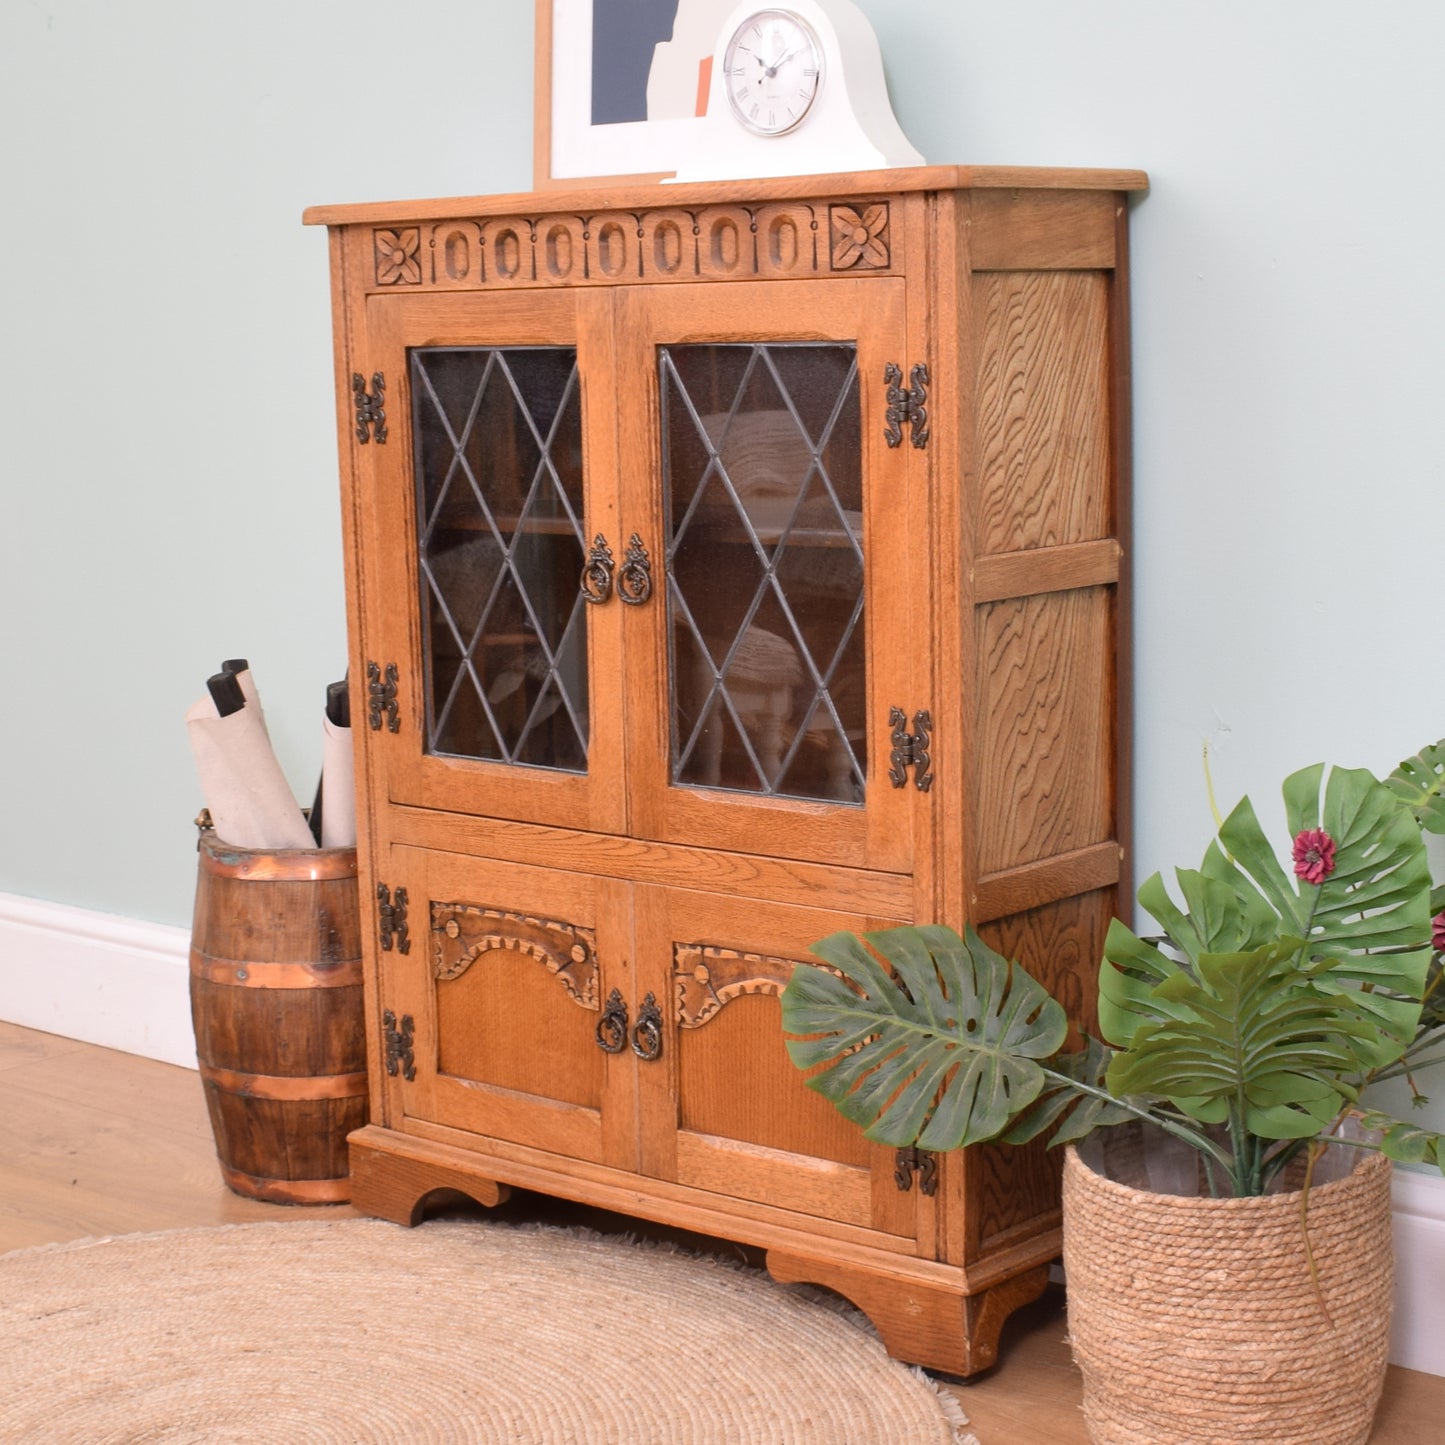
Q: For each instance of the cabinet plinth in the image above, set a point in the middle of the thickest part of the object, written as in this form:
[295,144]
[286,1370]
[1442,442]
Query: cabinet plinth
[736,564]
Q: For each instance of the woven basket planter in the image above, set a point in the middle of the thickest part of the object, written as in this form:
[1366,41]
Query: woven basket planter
[1196,1321]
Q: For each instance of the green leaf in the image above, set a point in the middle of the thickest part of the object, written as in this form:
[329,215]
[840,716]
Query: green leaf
[1404,1142]
[1420,782]
[1128,976]
[1363,931]
[940,1048]
[1254,856]
[1259,1040]
[1081,1112]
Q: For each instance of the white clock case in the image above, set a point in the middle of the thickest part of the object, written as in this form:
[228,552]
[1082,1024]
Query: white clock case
[850,126]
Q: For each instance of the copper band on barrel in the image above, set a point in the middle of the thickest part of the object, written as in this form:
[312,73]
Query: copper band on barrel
[288,1191]
[292,1088]
[286,865]
[243,973]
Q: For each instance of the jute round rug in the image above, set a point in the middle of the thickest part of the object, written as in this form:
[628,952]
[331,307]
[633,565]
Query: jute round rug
[458,1333]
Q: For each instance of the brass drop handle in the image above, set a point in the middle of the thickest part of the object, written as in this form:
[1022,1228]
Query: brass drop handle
[647,1032]
[612,1026]
[634,581]
[597,574]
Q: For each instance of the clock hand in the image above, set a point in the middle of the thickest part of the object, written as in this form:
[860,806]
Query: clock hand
[781,61]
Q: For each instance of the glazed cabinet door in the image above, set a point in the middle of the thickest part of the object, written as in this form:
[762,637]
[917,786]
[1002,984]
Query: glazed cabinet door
[489,501]
[722,1106]
[776,516]
[507,981]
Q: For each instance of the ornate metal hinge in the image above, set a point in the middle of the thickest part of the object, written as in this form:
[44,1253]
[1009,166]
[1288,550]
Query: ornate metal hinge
[919,1161]
[381,697]
[398,1041]
[906,405]
[910,750]
[391,919]
[370,407]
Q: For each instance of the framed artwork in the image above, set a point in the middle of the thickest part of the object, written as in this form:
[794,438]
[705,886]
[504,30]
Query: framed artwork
[620,86]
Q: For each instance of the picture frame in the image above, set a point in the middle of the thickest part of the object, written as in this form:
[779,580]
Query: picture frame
[569,149]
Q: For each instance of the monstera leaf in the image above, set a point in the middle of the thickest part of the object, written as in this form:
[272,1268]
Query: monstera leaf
[1359,928]
[941,1047]
[1420,781]
[1077,1080]
[1254,1035]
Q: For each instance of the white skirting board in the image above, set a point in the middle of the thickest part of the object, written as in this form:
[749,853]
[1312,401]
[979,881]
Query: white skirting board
[123,984]
[1418,1336]
[97,977]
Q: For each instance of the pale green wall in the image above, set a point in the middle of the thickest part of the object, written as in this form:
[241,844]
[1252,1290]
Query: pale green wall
[167,444]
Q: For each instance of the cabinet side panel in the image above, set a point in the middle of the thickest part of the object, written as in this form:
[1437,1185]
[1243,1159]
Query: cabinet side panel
[1045,726]
[1061,944]
[1015,1191]
[1043,383]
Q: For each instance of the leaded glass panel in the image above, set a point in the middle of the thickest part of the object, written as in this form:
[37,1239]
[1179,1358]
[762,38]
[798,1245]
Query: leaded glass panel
[499,496]
[763,485]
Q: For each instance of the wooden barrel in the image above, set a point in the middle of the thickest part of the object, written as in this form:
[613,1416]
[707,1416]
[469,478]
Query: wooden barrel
[277,1007]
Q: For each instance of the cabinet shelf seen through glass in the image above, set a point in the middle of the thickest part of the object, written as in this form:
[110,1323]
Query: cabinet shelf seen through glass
[762,485]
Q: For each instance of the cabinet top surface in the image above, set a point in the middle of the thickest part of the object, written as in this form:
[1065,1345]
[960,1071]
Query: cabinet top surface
[653,194]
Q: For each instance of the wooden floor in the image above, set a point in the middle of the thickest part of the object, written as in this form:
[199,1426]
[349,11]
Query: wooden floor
[95,1142]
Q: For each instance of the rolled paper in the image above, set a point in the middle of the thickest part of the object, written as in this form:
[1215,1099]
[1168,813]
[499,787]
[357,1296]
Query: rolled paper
[338,787]
[245,790]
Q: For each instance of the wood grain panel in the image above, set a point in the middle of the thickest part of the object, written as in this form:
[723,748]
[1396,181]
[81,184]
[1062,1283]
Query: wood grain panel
[771,1107]
[1060,945]
[782,1179]
[1014,890]
[609,856]
[1042,373]
[1044,726]
[1043,230]
[506,1022]
[1045,569]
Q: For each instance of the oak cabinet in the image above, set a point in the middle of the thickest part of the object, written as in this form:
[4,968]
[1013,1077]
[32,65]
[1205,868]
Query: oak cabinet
[727,565]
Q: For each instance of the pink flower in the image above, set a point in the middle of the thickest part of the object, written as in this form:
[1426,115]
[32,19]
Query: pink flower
[1437,933]
[1314,855]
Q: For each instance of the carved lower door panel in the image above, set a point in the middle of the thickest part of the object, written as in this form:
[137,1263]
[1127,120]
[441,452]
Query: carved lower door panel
[726,1111]
[515,985]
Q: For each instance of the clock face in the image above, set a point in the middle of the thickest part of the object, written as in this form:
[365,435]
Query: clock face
[772,71]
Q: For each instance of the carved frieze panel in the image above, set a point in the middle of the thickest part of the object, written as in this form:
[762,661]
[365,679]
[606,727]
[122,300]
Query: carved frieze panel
[706,978]
[709,243]
[463,932]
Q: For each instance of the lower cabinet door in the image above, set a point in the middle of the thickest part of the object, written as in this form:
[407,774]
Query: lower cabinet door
[722,1107]
[507,980]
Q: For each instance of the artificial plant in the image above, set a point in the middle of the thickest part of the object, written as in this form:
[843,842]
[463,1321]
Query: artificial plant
[1276,993]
